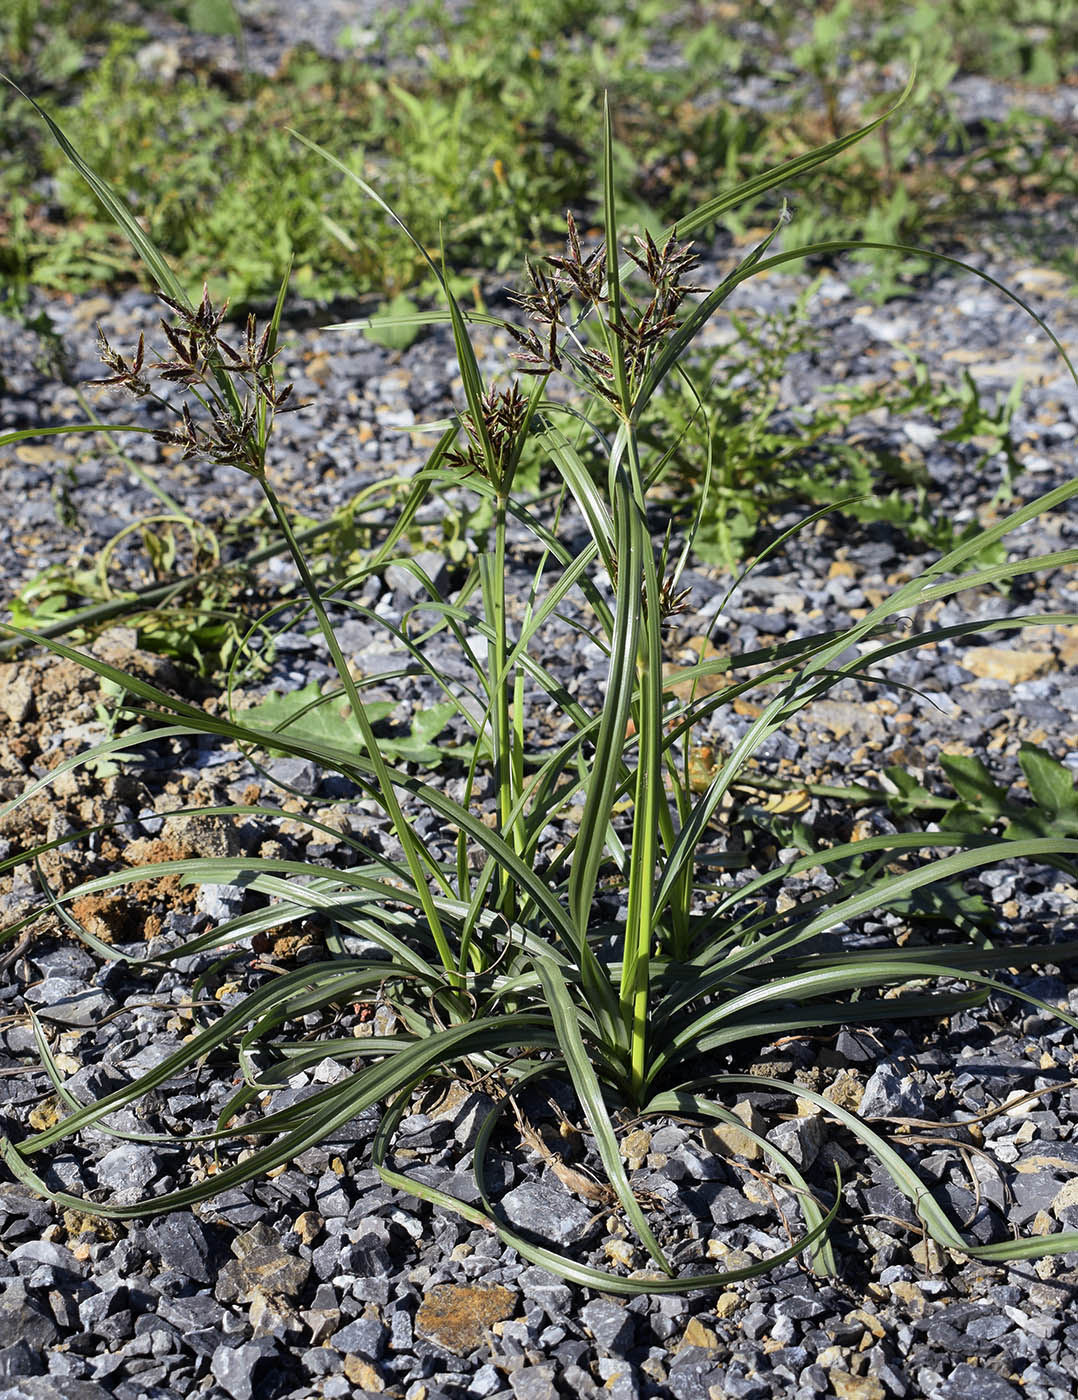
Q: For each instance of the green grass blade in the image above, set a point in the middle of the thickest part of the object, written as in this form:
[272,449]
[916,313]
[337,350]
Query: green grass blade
[621,684]
[578,1062]
[585,492]
[615,344]
[999,572]
[751,189]
[415,318]
[118,211]
[21,434]
[913,1187]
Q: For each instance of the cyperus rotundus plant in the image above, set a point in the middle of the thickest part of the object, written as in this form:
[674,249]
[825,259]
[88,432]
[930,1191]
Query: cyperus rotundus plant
[495,949]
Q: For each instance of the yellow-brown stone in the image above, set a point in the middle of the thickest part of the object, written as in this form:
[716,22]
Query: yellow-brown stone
[927,1255]
[458,1317]
[911,1295]
[363,1374]
[636,1147]
[1005,664]
[308,1226]
[847,1387]
[730,1140]
[846,1092]
[697,1335]
[1067,645]
[1066,1197]
[869,1321]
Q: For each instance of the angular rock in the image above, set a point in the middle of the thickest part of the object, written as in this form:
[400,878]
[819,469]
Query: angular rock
[485,1381]
[322,1323]
[22,1321]
[458,1317]
[697,1335]
[36,1252]
[799,1307]
[846,1091]
[534,1383]
[698,1166]
[988,1328]
[181,1242]
[730,1139]
[729,1206]
[219,903]
[298,773]
[238,1370]
[266,1268]
[365,1337]
[269,1316]
[69,1002]
[112,1297]
[363,1375]
[850,1387]
[129,1167]
[978,1383]
[1066,1199]
[367,1257]
[331,1198]
[611,1324]
[546,1211]
[843,717]
[855,1049]
[550,1292]
[1008,664]
[695,1376]
[800,1138]
[757,1322]
[16,694]
[1033,1192]
[191,1314]
[432,562]
[55,1388]
[20,1359]
[464,1109]
[891,1094]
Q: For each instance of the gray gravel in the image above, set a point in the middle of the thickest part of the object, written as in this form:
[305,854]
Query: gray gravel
[315,1283]
[325,1282]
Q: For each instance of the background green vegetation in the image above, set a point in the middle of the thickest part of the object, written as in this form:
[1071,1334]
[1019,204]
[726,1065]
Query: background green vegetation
[484,129]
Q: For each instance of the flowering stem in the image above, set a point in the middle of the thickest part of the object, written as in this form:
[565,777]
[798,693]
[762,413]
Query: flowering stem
[405,835]
[505,765]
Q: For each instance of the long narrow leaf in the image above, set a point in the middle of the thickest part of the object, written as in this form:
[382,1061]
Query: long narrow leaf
[590,1095]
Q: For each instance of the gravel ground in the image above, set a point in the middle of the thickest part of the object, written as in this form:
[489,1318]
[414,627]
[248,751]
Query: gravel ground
[323,1281]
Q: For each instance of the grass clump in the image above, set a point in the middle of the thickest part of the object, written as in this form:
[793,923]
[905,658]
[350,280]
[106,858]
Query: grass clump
[476,126]
[579,927]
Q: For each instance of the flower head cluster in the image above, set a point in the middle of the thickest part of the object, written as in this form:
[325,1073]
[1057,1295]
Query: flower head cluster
[581,278]
[503,412]
[234,391]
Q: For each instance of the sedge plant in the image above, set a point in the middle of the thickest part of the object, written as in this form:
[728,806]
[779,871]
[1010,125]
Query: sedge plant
[493,946]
